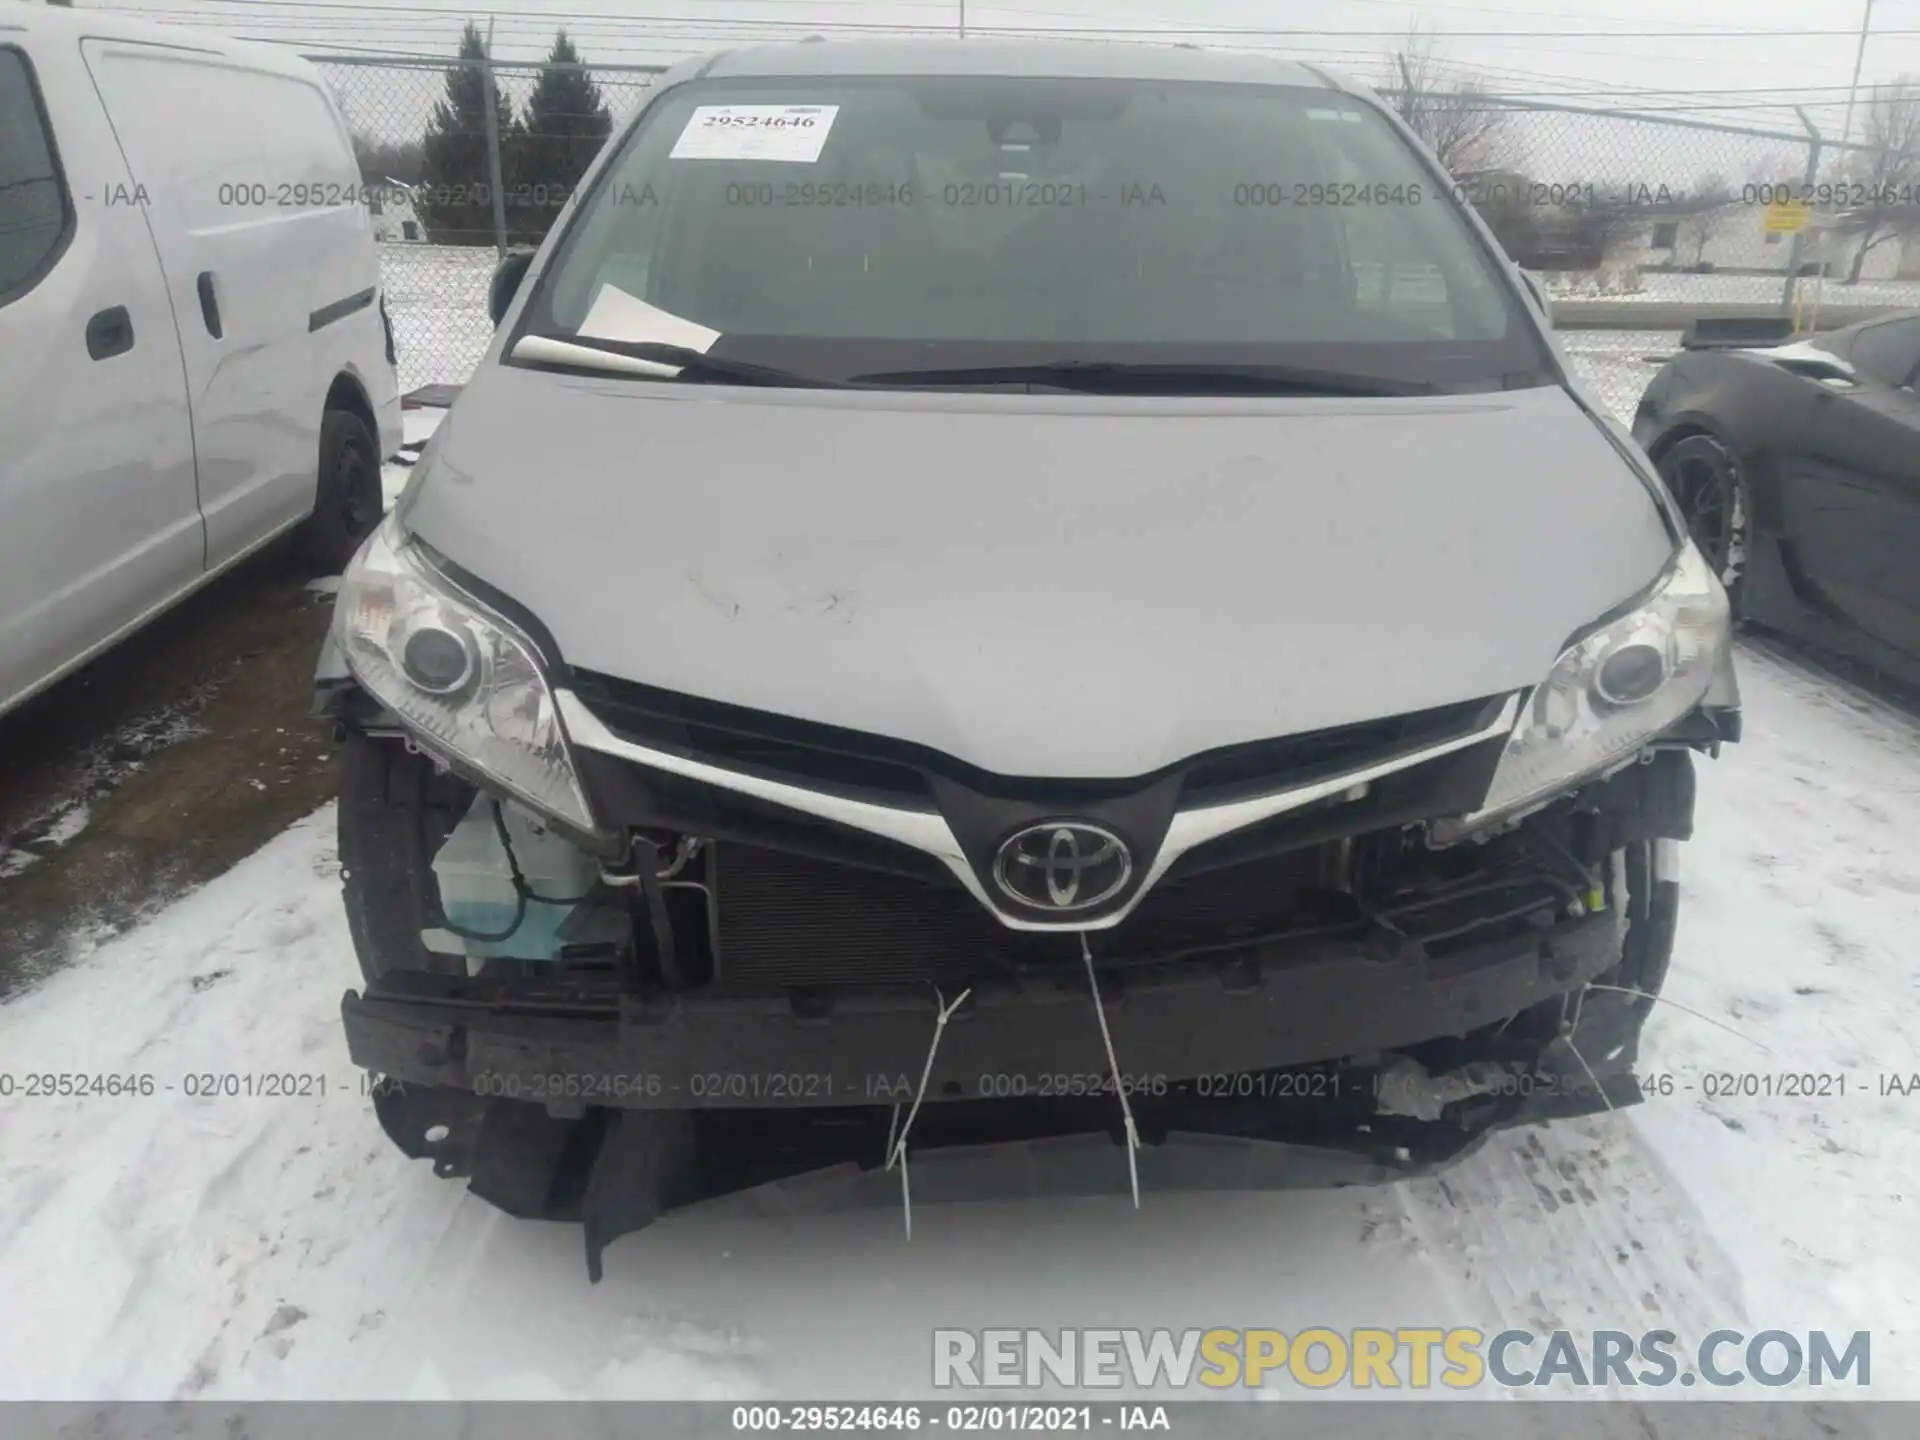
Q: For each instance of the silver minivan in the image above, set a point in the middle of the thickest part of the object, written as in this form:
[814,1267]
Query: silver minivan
[194,355]
[992,595]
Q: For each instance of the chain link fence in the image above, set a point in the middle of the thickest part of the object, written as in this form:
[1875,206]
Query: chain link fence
[455,179]
[1637,223]
[1640,223]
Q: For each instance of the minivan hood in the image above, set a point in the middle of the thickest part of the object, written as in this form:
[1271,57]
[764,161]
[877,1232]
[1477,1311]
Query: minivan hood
[1041,585]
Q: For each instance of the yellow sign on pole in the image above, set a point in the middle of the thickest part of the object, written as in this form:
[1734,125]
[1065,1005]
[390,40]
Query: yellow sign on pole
[1786,217]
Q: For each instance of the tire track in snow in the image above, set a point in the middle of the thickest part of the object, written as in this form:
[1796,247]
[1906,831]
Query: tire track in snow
[1576,1226]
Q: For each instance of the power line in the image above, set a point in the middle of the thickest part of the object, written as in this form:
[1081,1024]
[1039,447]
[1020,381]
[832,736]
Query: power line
[660,38]
[1182,28]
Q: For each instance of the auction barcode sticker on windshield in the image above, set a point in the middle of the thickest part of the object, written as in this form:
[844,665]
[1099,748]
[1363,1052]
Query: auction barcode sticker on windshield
[755,132]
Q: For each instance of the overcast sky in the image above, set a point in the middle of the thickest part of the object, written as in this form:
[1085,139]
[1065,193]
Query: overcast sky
[1743,58]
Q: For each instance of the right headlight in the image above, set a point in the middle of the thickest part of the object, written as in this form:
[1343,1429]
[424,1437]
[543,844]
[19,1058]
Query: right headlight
[459,677]
[1610,692]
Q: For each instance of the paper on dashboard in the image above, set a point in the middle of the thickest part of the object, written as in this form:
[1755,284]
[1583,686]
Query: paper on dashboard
[616,315]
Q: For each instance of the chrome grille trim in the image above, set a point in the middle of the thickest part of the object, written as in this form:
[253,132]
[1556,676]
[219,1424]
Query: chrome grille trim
[927,830]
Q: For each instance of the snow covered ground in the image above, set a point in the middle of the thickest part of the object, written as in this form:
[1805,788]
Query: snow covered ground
[1663,288]
[166,1246]
[1619,363]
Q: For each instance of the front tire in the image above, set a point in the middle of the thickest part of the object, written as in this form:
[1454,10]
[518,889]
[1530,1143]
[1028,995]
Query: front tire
[1653,914]
[1610,1015]
[396,811]
[348,500]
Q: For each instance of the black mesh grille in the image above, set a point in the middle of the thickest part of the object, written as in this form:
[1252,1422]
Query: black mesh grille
[787,920]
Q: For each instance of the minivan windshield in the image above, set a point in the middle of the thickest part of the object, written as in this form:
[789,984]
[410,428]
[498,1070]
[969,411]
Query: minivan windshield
[956,231]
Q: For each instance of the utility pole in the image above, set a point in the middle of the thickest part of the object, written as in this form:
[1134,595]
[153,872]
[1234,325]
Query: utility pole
[1866,19]
[490,96]
[963,18]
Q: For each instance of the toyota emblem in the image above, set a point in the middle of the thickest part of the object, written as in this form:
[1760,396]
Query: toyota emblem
[1062,866]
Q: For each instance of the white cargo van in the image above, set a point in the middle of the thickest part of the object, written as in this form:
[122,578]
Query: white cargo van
[194,353]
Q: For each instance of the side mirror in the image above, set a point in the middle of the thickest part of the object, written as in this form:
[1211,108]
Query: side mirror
[1538,291]
[507,276]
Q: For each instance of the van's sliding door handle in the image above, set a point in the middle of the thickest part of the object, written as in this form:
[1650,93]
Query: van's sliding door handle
[209,306]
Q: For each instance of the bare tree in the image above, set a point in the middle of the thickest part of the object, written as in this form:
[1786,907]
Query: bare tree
[1608,218]
[1885,177]
[1457,119]
[1710,202]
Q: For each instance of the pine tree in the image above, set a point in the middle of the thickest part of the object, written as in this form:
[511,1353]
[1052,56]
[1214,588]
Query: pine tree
[456,198]
[567,122]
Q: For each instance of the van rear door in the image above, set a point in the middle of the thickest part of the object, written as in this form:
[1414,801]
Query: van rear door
[255,211]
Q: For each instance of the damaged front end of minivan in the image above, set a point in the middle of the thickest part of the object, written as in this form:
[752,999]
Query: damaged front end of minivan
[625,949]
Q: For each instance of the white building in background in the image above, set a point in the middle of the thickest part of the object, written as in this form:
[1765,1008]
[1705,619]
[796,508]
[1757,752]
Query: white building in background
[394,218]
[1733,239]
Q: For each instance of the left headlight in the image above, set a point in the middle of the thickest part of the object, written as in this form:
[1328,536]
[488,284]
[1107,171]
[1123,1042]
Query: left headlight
[456,674]
[1611,691]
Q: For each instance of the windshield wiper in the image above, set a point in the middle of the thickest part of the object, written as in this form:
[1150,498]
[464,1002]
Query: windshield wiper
[1160,377]
[658,359]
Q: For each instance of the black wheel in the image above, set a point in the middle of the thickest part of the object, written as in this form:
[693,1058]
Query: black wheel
[396,811]
[348,501]
[1704,479]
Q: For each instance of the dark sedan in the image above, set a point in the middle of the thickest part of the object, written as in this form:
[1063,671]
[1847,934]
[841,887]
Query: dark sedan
[1798,468]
